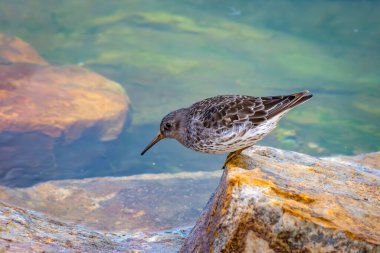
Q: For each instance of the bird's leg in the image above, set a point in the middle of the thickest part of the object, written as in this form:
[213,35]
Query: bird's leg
[231,155]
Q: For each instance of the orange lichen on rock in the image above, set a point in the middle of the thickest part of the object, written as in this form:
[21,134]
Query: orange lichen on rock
[255,178]
[294,203]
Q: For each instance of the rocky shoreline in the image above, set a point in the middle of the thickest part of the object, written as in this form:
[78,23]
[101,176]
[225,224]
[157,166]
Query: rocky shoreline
[268,200]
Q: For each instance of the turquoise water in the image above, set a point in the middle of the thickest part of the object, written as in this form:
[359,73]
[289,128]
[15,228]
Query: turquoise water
[169,54]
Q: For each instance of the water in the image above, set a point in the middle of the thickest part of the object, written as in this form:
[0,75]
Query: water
[169,54]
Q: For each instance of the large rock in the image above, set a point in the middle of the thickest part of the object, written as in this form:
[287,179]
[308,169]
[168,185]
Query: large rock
[45,108]
[26,231]
[54,100]
[277,201]
[59,101]
[142,203]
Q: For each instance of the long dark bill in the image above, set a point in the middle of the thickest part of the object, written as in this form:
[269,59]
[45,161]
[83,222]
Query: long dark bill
[155,140]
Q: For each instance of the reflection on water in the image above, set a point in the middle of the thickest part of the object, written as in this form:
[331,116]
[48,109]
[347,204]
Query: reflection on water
[169,54]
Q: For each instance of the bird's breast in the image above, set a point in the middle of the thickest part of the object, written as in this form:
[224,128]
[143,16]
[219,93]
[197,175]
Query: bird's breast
[212,141]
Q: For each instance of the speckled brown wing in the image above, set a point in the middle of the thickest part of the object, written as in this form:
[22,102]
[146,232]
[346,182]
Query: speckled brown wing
[227,111]
[276,105]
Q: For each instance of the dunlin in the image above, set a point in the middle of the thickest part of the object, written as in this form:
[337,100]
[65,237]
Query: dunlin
[226,124]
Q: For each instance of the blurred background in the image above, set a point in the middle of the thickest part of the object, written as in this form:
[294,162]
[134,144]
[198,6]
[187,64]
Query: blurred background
[169,54]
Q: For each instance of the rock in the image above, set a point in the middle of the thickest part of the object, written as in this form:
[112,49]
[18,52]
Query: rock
[26,231]
[141,203]
[280,201]
[45,108]
[59,101]
[369,160]
[13,49]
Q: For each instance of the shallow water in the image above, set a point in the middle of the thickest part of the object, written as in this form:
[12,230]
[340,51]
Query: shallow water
[169,54]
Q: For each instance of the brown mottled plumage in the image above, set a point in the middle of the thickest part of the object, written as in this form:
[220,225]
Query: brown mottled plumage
[225,124]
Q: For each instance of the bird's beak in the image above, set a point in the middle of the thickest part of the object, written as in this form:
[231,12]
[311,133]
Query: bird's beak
[159,137]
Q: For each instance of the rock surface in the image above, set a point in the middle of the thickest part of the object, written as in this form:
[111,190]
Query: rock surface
[54,100]
[44,109]
[368,160]
[26,231]
[13,49]
[150,202]
[278,201]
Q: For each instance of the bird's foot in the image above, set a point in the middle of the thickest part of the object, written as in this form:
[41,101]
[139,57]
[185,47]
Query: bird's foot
[232,155]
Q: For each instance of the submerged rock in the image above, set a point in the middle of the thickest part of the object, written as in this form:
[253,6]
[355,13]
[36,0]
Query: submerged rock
[26,231]
[56,100]
[13,49]
[279,201]
[60,101]
[142,203]
[44,109]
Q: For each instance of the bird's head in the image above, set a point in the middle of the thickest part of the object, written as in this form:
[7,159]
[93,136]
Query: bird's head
[171,126]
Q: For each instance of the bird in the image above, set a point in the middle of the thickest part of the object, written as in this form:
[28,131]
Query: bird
[226,124]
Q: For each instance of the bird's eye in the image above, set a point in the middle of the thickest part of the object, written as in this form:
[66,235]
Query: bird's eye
[167,126]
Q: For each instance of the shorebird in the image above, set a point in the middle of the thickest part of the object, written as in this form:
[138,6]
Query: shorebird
[228,123]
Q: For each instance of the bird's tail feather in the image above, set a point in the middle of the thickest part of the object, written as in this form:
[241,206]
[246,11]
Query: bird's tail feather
[289,102]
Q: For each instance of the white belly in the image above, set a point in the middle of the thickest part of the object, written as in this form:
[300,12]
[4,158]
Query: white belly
[232,141]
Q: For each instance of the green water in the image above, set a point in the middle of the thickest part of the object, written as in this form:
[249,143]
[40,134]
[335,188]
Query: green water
[169,54]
